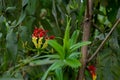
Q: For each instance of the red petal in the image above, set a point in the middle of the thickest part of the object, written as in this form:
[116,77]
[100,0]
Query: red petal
[92,68]
[52,37]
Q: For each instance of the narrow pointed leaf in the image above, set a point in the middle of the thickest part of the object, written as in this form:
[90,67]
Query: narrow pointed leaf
[42,62]
[78,45]
[55,56]
[21,18]
[74,54]
[74,37]
[74,63]
[54,66]
[66,35]
[11,79]
[59,74]
[57,47]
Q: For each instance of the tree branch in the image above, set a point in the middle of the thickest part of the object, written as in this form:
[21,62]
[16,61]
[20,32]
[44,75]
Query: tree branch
[103,42]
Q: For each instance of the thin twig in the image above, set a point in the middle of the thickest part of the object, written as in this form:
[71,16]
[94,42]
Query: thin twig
[94,25]
[103,42]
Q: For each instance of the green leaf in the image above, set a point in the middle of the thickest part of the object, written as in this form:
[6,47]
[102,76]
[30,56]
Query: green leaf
[74,37]
[54,12]
[41,62]
[10,79]
[99,12]
[21,18]
[11,43]
[51,56]
[10,8]
[24,2]
[59,74]
[81,11]
[31,7]
[0,35]
[74,54]
[108,69]
[57,65]
[118,14]
[57,47]
[66,35]
[74,63]
[78,45]
[7,76]
[113,42]
[24,33]
[54,66]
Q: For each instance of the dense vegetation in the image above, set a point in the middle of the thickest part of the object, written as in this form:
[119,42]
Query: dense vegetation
[42,39]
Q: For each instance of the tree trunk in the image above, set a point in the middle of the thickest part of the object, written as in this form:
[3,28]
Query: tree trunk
[86,34]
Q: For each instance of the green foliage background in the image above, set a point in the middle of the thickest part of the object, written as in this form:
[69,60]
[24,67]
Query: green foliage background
[18,18]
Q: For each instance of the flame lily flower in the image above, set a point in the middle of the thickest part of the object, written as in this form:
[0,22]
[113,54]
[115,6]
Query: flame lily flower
[38,36]
[92,70]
